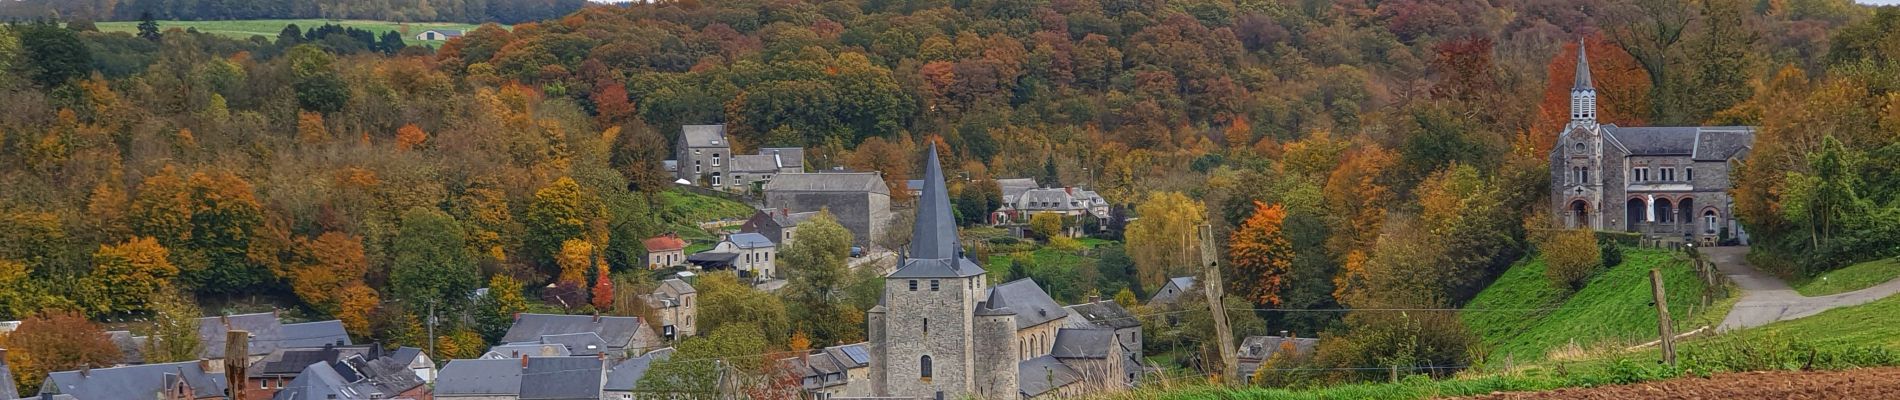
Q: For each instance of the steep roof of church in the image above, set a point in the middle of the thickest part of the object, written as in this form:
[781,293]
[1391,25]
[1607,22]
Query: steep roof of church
[1702,142]
[1583,69]
[1032,305]
[934,249]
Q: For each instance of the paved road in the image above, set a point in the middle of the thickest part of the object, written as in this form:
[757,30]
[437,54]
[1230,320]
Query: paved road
[1766,299]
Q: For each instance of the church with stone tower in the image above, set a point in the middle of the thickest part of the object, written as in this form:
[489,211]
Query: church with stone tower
[940,331]
[1662,182]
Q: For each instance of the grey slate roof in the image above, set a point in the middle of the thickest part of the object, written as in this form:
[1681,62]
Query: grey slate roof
[1705,142]
[1032,305]
[617,332]
[1013,187]
[678,286]
[788,157]
[625,376]
[1183,282]
[858,182]
[749,240]
[1262,347]
[268,333]
[479,377]
[1044,374]
[134,382]
[517,350]
[704,136]
[355,377]
[751,163]
[131,348]
[543,378]
[935,250]
[1083,343]
[7,388]
[1105,314]
[579,344]
[1722,143]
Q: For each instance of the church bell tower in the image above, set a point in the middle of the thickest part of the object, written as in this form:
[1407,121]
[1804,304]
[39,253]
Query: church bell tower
[1583,94]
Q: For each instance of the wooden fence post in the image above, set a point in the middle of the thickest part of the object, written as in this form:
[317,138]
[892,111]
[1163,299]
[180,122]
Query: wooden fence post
[1662,318]
[237,357]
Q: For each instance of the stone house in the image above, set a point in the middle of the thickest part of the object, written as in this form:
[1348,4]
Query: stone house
[702,153]
[780,225]
[357,376]
[268,333]
[1172,291]
[394,369]
[1070,203]
[755,255]
[541,378]
[1105,314]
[837,371]
[623,378]
[860,201]
[186,380]
[1255,350]
[940,331]
[1662,182]
[673,303]
[665,251]
[617,336]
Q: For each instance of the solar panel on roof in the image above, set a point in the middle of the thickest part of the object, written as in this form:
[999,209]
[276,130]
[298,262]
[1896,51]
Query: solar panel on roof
[858,354]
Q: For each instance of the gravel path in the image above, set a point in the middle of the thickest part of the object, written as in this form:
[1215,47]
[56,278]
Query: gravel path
[1766,299]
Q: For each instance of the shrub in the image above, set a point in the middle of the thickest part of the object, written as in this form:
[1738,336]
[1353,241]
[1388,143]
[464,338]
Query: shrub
[1571,257]
[1612,253]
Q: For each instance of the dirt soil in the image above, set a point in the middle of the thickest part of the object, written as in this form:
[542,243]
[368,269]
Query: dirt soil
[1874,383]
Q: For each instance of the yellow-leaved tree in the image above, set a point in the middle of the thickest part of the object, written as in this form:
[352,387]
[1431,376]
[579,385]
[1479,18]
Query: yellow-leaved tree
[1164,241]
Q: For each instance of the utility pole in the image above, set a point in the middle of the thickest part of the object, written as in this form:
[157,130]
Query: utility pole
[237,357]
[1211,286]
[1662,318]
[432,354]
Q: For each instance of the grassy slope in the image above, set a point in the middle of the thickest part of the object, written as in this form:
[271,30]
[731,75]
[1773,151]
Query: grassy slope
[684,210]
[244,29]
[1853,277]
[1613,310]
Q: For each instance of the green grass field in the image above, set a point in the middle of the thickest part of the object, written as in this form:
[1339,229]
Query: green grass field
[244,29]
[1853,277]
[1612,311]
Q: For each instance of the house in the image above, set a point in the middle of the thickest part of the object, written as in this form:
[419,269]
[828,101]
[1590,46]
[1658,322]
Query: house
[1255,350]
[780,225]
[617,336]
[990,342]
[837,371]
[508,351]
[860,201]
[268,333]
[375,375]
[1662,182]
[665,251]
[1172,291]
[279,370]
[1105,314]
[704,156]
[623,378]
[1014,187]
[673,303]
[437,35]
[712,260]
[1067,202]
[540,378]
[755,254]
[169,381]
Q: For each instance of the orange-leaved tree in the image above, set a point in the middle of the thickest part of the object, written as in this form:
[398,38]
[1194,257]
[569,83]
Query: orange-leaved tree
[1261,256]
[1621,83]
[56,340]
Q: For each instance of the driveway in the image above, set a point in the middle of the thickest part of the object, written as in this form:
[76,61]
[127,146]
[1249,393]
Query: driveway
[1767,299]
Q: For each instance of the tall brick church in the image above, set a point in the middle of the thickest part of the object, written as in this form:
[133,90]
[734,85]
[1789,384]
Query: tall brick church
[1663,182]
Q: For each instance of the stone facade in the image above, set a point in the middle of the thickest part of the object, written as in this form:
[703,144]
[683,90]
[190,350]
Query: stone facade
[860,201]
[676,305]
[703,153]
[1662,182]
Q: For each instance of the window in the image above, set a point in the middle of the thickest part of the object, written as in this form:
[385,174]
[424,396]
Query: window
[1668,174]
[695,166]
[1708,218]
[715,176]
[1586,175]
[923,367]
[715,159]
[913,285]
[933,285]
[1579,147]
[1641,174]
[1688,173]
[926,326]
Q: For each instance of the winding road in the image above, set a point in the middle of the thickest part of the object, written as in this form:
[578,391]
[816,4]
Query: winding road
[1767,299]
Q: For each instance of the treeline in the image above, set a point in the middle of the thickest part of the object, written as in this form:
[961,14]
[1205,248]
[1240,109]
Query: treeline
[472,11]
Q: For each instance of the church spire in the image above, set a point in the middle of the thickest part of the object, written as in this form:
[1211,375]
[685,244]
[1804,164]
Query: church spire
[934,235]
[1583,69]
[1583,95]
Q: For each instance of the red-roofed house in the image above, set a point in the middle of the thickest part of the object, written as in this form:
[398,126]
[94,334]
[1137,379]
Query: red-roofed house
[665,251]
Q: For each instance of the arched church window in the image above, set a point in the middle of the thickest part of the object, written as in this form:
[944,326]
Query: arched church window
[1708,218]
[923,367]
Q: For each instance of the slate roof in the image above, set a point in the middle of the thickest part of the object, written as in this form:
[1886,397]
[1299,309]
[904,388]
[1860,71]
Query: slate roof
[1105,314]
[1183,282]
[749,240]
[1655,141]
[712,259]
[355,377]
[858,182]
[1013,187]
[1044,374]
[625,376]
[7,388]
[134,382]
[479,377]
[664,243]
[543,378]
[517,350]
[131,348]
[704,136]
[268,333]
[1032,305]
[1720,144]
[1262,347]
[935,250]
[788,157]
[616,332]
[1583,69]
[579,344]
[1083,343]
[678,286]
[752,163]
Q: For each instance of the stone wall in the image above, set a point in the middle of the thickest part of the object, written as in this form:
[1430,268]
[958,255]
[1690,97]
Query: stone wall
[947,340]
[865,214]
[996,352]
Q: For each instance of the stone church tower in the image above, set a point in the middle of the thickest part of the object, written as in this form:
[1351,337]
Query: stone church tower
[1581,152]
[932,334]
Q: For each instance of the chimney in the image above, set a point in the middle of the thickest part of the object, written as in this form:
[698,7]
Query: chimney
[1284,334]
[1095,298]
[225,320]
[85,371]
[524,363]
[273,312]
[596,317]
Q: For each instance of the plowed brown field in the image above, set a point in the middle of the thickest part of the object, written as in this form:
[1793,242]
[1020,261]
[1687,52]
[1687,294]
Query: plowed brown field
[1875,383]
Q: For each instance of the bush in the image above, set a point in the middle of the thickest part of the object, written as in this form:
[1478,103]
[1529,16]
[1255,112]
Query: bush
[1571,258]
[1621,238]
[1612,254]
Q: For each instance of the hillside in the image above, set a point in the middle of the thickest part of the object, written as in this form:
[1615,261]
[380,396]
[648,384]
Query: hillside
[269,28]
[1522,316]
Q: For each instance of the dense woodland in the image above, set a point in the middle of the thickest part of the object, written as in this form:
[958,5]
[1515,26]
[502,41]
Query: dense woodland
[1351,153]
[474,11]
